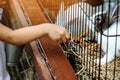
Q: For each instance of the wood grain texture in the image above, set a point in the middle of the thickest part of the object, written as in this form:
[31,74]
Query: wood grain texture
[26,13]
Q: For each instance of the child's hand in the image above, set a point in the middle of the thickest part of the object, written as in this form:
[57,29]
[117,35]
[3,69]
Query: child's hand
[58,33]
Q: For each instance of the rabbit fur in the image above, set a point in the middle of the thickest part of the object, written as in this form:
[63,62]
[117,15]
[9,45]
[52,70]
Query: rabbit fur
[110,45]
[72,17]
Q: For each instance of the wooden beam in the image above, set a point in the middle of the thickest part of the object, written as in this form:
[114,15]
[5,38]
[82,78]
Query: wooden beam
[19,18]
[2,3]
[32,14]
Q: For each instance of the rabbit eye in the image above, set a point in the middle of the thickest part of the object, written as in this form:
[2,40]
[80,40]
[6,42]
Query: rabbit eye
[98,19]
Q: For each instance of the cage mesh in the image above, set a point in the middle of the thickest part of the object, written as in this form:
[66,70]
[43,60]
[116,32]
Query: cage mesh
[24,69]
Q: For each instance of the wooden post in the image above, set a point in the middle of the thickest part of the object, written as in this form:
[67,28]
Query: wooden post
[26,13]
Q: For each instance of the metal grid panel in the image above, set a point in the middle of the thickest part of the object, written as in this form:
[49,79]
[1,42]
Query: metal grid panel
[24,69]
[95,38]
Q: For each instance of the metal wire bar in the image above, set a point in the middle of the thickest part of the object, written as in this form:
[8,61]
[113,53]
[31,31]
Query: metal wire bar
[94,72]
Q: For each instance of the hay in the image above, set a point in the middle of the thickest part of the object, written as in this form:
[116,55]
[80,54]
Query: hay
[87,69]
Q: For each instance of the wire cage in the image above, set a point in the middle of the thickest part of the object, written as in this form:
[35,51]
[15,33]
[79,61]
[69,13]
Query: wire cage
[95,35]
[94,26]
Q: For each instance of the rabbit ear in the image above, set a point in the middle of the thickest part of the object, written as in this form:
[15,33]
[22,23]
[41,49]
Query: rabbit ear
[116,12]
[60,15]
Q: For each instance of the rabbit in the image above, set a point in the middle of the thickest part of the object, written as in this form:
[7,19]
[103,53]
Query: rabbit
[78,10]
[72,17]
[101,28]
